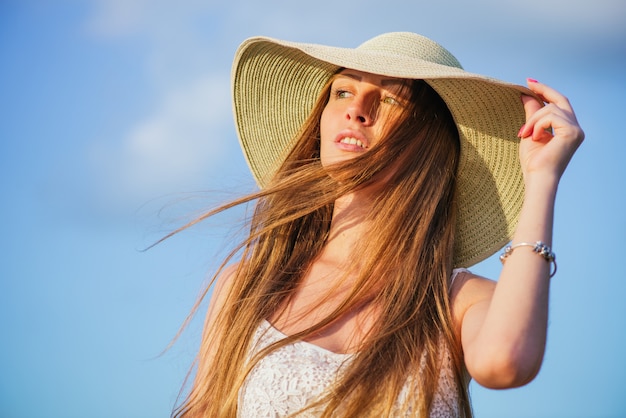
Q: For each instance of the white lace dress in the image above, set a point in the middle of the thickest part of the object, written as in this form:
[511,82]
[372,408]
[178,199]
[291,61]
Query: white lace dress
[293,376]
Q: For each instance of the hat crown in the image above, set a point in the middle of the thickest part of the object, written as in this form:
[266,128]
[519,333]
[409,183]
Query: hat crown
[410,45]
[277,83]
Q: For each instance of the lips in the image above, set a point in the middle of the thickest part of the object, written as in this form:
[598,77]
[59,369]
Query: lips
[352,139]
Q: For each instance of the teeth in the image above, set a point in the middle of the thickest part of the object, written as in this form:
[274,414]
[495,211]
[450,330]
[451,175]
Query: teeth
[352,141]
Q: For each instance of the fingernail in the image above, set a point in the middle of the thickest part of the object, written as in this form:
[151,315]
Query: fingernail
[532,80]
[519,134]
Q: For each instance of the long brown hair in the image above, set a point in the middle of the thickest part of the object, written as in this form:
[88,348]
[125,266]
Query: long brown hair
[407,264]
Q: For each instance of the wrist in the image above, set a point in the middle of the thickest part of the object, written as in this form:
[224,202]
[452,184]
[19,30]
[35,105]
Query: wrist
[543,183]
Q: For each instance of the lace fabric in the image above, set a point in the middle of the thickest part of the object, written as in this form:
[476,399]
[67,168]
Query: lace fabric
[292,377]
[288,379]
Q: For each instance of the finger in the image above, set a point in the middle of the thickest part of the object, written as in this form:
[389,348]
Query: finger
[531,106]
[540,125]
[539,134]
[549,95]
[542,134]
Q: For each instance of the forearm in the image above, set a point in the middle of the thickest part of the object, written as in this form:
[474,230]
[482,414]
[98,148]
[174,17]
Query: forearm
[513,334]
[503,326]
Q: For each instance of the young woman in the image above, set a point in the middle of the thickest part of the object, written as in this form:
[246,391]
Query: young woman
[385,171]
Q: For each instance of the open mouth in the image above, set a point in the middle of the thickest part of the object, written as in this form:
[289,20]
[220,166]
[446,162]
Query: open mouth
[352,141]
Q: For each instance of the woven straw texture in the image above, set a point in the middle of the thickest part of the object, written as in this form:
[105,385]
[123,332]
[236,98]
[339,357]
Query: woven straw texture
[276,83]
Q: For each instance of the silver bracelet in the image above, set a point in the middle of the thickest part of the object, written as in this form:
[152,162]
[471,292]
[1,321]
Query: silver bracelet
[538,247]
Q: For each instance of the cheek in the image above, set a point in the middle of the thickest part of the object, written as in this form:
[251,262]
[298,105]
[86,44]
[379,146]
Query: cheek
[327,132]
[327,135]
[324,123]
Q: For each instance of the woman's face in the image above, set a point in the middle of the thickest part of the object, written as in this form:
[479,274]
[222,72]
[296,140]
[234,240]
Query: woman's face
[360,107]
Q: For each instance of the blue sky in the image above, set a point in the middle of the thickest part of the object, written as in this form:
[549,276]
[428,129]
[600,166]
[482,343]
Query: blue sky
[116,127]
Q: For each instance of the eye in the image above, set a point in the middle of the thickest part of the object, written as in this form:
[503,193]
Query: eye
[340,93]
[391,100]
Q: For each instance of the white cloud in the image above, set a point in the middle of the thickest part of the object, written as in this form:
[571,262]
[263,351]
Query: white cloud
[187,139]
[124,17]
[178,136]
[118,18]
[191,127]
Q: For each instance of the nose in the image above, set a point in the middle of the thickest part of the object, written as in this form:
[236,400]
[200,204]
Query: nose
[362,110]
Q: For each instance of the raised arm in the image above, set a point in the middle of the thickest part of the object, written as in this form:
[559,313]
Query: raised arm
[503,326]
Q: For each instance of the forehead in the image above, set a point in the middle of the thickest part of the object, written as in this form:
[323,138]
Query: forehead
[376,79]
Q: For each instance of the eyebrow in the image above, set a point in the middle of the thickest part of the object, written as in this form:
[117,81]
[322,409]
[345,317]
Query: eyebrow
[384,81]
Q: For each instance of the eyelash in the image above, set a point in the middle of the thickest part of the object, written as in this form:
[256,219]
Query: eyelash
[395,102]
[339,93]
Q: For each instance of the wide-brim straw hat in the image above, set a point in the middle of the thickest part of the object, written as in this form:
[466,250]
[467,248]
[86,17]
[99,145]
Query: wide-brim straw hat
[276,84]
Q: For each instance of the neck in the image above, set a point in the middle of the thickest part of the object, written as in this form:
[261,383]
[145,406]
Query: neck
[349,225]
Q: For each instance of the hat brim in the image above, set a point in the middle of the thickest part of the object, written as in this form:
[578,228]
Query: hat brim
[276,84]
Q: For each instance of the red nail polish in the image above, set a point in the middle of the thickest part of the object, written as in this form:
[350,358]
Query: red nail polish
[532,80]
[519,134]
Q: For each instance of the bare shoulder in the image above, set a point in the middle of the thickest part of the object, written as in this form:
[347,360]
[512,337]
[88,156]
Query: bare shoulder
[224,280]
[219,295]
[469,291]
[221,289]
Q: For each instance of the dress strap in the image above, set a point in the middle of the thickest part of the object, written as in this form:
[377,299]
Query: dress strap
[455,273]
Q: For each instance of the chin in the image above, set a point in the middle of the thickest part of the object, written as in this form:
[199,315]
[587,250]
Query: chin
[329,160]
